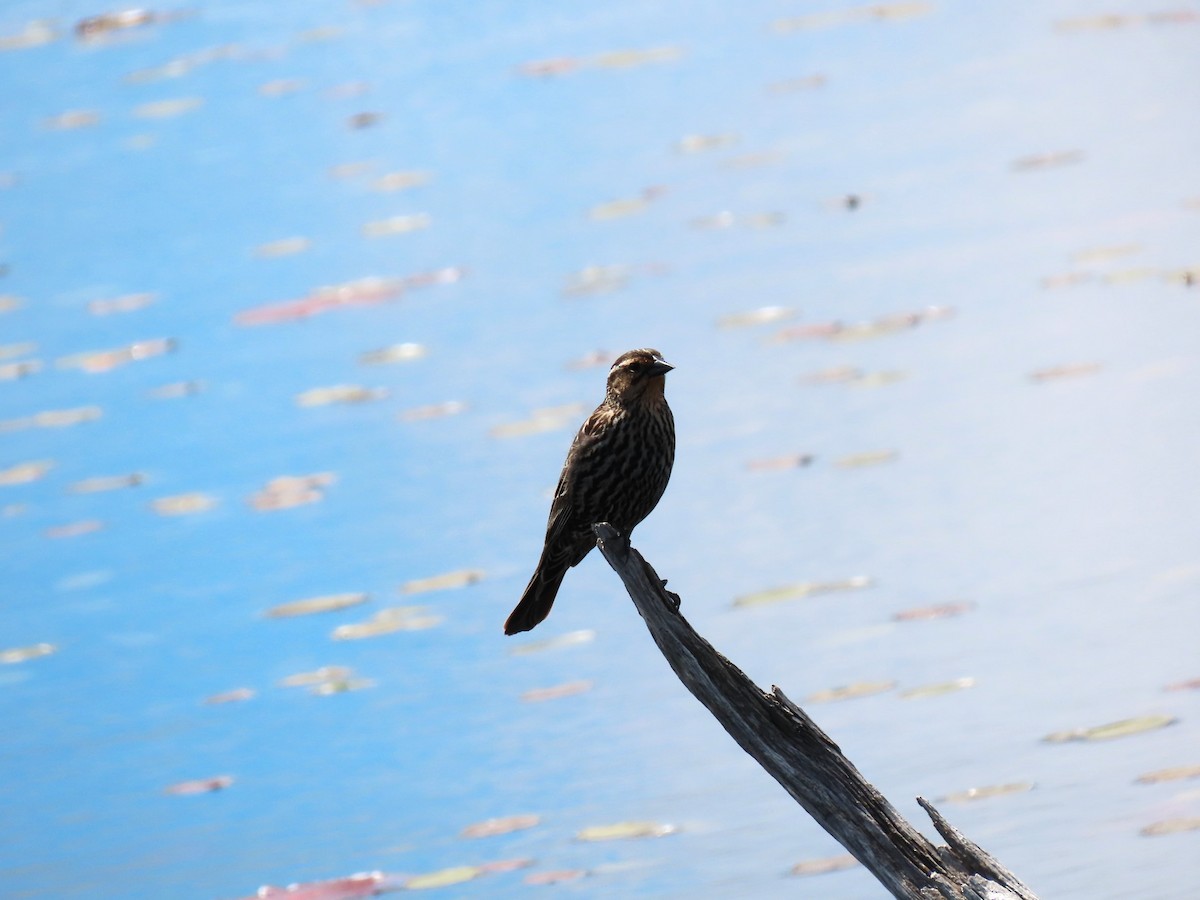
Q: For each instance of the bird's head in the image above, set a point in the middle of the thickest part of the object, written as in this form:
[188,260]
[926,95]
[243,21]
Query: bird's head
[638,377]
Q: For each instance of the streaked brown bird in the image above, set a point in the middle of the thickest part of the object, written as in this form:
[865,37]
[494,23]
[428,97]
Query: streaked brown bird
[616,471]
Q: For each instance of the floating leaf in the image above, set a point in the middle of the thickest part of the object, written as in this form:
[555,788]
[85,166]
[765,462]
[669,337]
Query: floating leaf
[433,411]
[360,292]
[443,878]
[126,303]
[1070,370]
[1192,684]
[778,463]
[938,689]
[1123,728]
[591,360]
[803,589]
[619,209]
[107,483]
[362,884]
[628,59]
[167,109]
[1052,160]
[851,691]
[72,119]
[318,676]
[312,605]
[938,611]
[624,831]
[456,579]
[1065,280]
[288,491]
[53,418]
[987,792]
[282,247]
[184,504]
[280,87]
[1170,826]
[361,120]
[94,27]
[107,360]
[762,316]
[23,473]
[388,621]
[200,786]
[397,225]
[833,375]
[504,825]
[12,351]
[75,529]
[340,393]
[1178,773]
[401,181]
[868,458]
[175,390]
[340,686]
[34,34]
[396,353]
[555,876]
[569,689]
[569,639]
[824,866]
[879,12]
[351,169]
[700,143]
[18,370]
[237,695]
[549,418]
[21,654]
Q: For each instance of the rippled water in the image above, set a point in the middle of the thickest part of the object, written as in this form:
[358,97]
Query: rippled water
[1000,209]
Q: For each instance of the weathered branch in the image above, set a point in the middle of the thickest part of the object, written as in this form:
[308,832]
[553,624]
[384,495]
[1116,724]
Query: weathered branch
[806,762]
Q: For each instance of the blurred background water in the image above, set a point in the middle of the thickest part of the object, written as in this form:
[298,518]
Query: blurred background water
[386,250]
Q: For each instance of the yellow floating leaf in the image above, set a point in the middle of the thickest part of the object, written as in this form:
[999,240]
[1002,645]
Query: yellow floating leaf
[825,865]
[313,605]
[23,473]
[397,225]
[340,393]
[868,458]
[1170,826]
[761,316]
[569,689]
[401,181]
[20,654]
[396,353]
[624,831]
[627,59]
[184,504]
[570,639]
[987,792]
[1123,728]
[550,418]
[167,109]
[282,247]
[388,621]
[851,691]
[699,143]
[443,878]
[504,825]
[1178,773]
[803,589]
[318,676]
[937,690]
[456,579]
[433,411]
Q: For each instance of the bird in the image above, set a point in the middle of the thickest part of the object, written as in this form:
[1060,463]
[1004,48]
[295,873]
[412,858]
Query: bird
[616,471]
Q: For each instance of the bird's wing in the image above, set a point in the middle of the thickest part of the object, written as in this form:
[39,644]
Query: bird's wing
[562,509]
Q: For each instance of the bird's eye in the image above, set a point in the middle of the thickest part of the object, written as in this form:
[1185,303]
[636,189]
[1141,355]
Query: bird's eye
[634,368]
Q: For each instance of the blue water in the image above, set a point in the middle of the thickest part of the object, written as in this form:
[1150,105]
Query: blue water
[1063,509]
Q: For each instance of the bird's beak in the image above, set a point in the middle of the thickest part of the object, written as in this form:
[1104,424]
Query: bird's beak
[660,367]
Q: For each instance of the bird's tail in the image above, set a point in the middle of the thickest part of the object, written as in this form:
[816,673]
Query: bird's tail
[538,598]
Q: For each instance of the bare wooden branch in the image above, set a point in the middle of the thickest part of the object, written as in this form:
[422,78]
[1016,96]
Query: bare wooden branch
[806,762]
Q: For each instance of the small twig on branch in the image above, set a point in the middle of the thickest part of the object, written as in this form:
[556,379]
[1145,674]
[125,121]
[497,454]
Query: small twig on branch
[805,761]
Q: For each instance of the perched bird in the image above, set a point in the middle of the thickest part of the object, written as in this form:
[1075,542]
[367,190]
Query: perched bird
[616,471]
